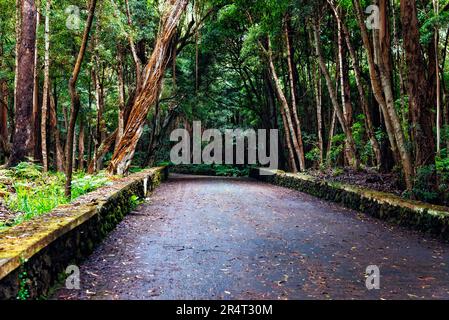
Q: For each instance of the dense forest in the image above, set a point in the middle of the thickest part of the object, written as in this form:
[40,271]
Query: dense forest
[355,87]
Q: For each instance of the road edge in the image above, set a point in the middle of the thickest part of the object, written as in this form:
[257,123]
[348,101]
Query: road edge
[412,214]
[35,254]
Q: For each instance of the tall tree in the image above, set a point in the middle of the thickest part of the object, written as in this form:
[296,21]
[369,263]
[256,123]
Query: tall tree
[354,162]
[4,95]
[421,103]
[152,82]
[294,106]
[75,100]
[379,66]
[436,8]
[4,135]
[46,89]
[287,111]
[22,144]
[36,107]
[362,94]
[59,150]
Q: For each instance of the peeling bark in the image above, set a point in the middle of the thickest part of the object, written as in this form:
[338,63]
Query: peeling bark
[151,84]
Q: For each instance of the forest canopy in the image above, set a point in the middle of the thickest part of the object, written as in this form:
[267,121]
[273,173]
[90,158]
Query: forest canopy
[356,88]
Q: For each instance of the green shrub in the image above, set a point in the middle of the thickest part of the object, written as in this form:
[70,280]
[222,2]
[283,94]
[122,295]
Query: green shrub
[231,171]
[213,170]
[27,170]
[83,183]
[35,193]
[338,146]
[313,155]
[425,182]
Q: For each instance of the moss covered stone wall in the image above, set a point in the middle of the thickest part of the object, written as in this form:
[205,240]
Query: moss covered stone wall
[35,254]
[413,214]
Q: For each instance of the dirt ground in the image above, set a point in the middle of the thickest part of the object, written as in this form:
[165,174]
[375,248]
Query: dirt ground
[224,238]
[370,179]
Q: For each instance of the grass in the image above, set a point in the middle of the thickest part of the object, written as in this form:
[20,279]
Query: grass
[32,193]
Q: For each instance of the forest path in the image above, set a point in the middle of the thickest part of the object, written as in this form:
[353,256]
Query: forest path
[224,238]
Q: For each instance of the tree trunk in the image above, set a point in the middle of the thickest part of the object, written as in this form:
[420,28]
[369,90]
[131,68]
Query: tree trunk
[99,98]
[59,150]
[350,140]
[36,113]
[137,61]
[364,103]
[18,29]
[23,135]
[104,148]
[418,89]
[46,89]
[384,95]
[317,84]
[345,90]
[331,137]
[121,94]
[99,129]
[75,100]
[152,82]
[375,79]
[382,45]
[4,93]
[4,135]
[437,67]
[284,104]
[301,155]
[81,146]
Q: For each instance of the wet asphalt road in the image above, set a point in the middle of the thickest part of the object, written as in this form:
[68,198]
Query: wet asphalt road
[221,238]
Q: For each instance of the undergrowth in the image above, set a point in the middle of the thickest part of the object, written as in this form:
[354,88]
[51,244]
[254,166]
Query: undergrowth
[30,192]
[213,170]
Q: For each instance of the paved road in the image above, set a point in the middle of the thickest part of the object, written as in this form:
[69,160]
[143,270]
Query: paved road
[219,238]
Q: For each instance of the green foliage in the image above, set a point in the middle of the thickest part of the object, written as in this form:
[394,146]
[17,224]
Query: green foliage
[424,184]
[429,21]
[337,172]
[338,146]
[135,201]
[432,182]
[313,155]
[36,193]
[83,183]
[442,162]
[363,145]
[27,170]
[230,171]
[213,170]
[24,282]
[358,131]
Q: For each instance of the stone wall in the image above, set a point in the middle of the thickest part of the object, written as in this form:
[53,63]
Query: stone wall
[413,214]
[35,254]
